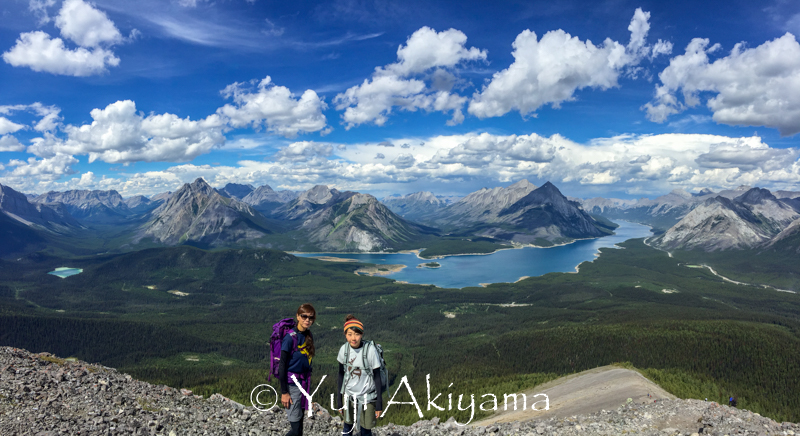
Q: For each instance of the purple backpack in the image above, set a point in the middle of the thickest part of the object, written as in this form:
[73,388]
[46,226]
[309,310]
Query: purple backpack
[279,330]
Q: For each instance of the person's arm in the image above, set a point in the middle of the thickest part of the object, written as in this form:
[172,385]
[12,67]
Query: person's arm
[339,382]
[283,372]
[283,377]
[376,376]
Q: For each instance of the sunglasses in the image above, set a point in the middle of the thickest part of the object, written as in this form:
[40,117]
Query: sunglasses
[308,317]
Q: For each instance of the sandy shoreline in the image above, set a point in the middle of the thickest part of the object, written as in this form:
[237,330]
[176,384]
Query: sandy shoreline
[379,269]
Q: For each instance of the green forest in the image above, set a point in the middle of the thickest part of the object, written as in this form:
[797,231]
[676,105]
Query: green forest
[199,319]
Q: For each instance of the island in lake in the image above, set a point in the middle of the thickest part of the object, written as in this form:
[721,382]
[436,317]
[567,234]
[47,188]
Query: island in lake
[429,265]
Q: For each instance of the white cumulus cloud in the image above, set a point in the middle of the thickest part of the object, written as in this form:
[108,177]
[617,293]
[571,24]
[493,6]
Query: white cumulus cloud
[37,51]
[551,69]
[119,134]
[80,22]
[427,56]
[274,107]
[757,86]
[8,126]
[426,49]
[10,143]
[86,25]
[49,169]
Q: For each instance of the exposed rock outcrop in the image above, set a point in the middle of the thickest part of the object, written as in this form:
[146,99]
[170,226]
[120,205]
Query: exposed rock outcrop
[41,394]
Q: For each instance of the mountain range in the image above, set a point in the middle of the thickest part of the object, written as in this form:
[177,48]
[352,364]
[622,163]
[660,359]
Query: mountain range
[326,219]
[753,219]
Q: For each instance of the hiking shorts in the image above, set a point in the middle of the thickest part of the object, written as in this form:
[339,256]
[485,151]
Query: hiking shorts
[295,411]
[366,417]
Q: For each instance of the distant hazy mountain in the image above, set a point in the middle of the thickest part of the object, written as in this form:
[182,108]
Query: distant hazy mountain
[24,226]
[662,212]
[599,205]
[16,206]
[307,203]
[788,239]
[197,213]
[719,223]
[773,211]
[347,221]
[92,206]
[139,204]
[419,206]
[787,194]
[482,206]
[265,199]
[236,191]
[350,221]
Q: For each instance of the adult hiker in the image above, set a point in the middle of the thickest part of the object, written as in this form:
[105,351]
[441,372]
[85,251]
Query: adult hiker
[359,380]
[297,351]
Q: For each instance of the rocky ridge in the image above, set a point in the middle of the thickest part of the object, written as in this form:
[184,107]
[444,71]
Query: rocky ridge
[16,206]
[197,212]
[264,198]
[43,395]
[662,212]
[237,191]
[418,206]
[483,205]
[89,205]
[719,223]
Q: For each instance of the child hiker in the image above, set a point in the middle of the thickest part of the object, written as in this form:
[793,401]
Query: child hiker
[297,350]
[359,380]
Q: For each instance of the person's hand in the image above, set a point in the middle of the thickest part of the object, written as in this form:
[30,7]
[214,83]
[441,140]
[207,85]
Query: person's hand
[377,414]
[286,400]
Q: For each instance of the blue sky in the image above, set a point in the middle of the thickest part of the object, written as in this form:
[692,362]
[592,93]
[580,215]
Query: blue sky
[615,98]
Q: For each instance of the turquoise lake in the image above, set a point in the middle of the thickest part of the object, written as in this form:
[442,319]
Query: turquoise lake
[498,267]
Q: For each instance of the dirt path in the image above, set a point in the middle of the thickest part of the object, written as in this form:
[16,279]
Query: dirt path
[603,388]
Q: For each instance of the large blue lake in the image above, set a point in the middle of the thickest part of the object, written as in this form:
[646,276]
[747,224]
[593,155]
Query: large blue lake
[501,266]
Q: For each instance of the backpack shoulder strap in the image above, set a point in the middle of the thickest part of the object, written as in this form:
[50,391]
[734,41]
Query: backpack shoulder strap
[293,334]
[364,352]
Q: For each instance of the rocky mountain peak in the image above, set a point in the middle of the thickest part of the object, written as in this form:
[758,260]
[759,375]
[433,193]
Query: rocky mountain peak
[319,194]
[523,184]
[425,196]
[756,196]
[360,199]
[199,186]
[236,190]
[197,212]
[549,188]
[681,193]
[704,192]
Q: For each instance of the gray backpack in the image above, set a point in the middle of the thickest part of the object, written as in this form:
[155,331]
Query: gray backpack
[384,371]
